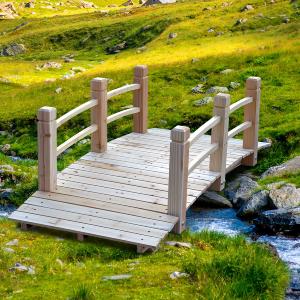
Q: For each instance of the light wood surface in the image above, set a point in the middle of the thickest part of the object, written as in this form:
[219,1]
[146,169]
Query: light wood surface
[123,113]
[136,188]
[75,138]
[122,90]
[76,111]
[47,143]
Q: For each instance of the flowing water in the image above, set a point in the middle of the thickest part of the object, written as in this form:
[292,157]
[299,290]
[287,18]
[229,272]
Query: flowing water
[225,221]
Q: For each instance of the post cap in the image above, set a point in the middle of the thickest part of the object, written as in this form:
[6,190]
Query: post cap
[222,100]
[253,83]
[180,134]
[46,113]
[99,84]
[141,71]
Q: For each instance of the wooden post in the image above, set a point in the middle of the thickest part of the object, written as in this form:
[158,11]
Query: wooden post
[99,114]
[178,175]
[251,113]
[219,135]
[47,149]
[140,99]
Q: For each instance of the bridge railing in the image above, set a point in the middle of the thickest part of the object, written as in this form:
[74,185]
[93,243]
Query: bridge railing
[180,166]
[48,124]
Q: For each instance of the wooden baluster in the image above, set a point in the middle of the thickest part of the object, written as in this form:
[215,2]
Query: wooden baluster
[140,99]
[47,145]
[219,134]
[99,114]
[251,113]
[178,175]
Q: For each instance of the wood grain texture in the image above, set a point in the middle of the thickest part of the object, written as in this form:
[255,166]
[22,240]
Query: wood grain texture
[47,143]
[251,114]
[140,99]
[99,114]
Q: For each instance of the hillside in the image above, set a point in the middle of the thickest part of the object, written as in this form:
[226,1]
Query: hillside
[49,52]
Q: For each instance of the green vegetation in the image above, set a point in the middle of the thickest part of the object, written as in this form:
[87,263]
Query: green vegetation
[208,41]
[69,269]
[293,177]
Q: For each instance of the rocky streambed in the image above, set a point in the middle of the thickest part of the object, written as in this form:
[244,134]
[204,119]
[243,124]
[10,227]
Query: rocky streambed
[267,214]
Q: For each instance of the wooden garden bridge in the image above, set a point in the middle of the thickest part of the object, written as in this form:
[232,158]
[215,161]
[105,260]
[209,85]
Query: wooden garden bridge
[136,188]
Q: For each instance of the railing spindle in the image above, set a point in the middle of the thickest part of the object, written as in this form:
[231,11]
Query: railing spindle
[251,114]
[47,143]
[178,175]
[140,99]
[219,134]
[99,114]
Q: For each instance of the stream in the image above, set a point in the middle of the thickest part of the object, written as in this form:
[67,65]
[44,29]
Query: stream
[224,220]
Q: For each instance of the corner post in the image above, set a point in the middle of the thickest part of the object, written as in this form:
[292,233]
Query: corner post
[178,175]
[219,135]
[140,99]
[99,114]
[47,149]
[251,113]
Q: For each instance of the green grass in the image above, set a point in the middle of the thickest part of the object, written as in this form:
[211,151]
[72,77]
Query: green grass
[264,46]
[69,269]
[293,177]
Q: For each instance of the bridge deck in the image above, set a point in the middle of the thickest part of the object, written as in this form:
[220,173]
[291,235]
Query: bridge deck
[122,194]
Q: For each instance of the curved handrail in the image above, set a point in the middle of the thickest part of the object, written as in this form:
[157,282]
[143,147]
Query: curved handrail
[123,113]
[75,138]
[123,89]
[204,154]
[233,107]
[212,122]
[76,111]
[239,129]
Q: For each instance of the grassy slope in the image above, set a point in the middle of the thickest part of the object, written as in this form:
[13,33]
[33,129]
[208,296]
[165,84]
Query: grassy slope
[262,47]
[67,269]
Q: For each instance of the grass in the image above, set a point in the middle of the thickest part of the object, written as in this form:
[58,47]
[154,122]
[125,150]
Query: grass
[219,267]
[68,269]
[291,177]
[263,46]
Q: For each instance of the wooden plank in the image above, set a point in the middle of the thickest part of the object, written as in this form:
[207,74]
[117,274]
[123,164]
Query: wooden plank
[117,185]
[105,205]
[204,173]
[142,165]
[112,192]
[93,216]
[65,191]
[77,227]
[110,176]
